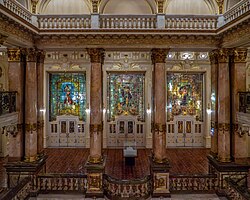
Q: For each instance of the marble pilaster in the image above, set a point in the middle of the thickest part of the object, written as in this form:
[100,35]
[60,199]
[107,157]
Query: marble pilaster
[16,83]
[214,102]
[31,106]
[40,101]
[240,146]
[224,106]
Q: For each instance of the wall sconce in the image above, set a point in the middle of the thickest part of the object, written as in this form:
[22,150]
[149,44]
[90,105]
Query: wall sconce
[87,108]
[243,129]
[148,109]
[10,129]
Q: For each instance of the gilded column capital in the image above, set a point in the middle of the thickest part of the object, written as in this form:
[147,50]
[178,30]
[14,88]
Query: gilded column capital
[240,55]
[96,55]
[223,55]
[213,57]
[95,6]
[3,38]
[95,128]
[40,56]
[31,55]
[159,55]
[220,4]
[14,55]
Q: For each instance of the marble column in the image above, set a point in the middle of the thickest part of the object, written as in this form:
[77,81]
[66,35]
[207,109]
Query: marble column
[224,106]
[238,71]
[40,100]
[159,113]
[214,102]
[16,83]
[31,106]
[96,125]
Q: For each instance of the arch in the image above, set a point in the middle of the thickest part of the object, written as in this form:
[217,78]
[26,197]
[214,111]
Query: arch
[63,7]
[229,4]
[127,7]
[191,7]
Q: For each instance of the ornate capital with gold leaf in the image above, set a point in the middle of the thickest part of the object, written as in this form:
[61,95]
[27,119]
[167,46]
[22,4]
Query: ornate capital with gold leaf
[157,127]
[96,55]
[95,128]
[40,56]
[240,55]
[223,55]
[14,55]
[213,56]
[31,55]
[159,55]
[223,126]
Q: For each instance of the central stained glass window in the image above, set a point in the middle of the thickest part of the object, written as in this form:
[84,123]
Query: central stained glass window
[126,95]
[67,95]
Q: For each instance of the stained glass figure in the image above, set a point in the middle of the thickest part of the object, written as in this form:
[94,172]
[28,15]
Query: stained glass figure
[185,95]
[67,95]
[126,95]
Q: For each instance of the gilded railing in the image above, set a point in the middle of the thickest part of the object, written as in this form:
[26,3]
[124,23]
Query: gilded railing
[193,183]
[191,22]
[17,8]
[127,21]
[237,189]
[127,189]
[58,22]
[21,191]
[7,102]
[237,10]
[62,183]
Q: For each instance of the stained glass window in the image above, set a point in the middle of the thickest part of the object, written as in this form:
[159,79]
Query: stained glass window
[126,95]
[185,95]
[67,95]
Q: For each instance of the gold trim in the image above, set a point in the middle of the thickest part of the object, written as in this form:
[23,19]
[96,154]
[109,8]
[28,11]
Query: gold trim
[31,159]
[223,126]
[14,55]
[95,128]
[160,161]
[240,55]
[95,160]
[158,127]
[31,127]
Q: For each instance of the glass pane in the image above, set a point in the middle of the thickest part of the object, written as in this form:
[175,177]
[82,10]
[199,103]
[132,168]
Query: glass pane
[126,95]
[121,128]
[71,126]
[130,127]
[63,126]
[67,95]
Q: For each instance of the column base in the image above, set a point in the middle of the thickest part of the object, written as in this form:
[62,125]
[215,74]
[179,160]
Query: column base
[160,174]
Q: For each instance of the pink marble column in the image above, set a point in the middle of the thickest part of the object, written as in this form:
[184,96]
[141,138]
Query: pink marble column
[40,101]
[31,106]
[223,106]
[16,83]
[159,114]
[96,125]
[214,103]
[240,146]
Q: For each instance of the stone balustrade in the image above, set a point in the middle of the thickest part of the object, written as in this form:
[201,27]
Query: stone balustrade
[237,10]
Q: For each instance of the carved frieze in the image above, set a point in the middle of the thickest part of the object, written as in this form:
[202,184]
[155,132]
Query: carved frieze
[159,55]
[96,55]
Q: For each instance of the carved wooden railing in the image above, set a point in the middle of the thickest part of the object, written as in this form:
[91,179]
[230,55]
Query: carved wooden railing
[237,189]
[56,22]
[127,189]
[17,8]
[191,22]
[127,21]
[7,102]
[62,183]
[193,183]
[237,10]
[21,191]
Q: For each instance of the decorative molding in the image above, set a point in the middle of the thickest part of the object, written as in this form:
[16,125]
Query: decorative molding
[3,38]
[95,6]
[220,4]
[213,56]
[95,128]
[40,56]
[224,127]
[223,55]
[159,55]
[31,55]
[30,127]
[160,6]
[157,127]
[240,55]
[14,55]
[94,181]
[34,4]
[96,55]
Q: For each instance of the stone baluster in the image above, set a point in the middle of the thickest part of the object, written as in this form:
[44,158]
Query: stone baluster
[16,83]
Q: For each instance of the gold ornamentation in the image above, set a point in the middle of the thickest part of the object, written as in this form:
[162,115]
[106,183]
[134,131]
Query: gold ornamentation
[223,126]
[160,5]
[223,55]
[161,182]
[96,55]
[157,127]
[14,55]
[30,158]
[31,55]
[31,127]
[40,124]
[95,128]
[34,3]
[213,56]
[40,56]
[220,4]
[95,160]
[95,6]
[160,161]
[240,55]
[159,55]
[94,181]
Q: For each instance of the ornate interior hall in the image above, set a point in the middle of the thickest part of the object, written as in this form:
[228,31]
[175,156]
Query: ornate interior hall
[125,99]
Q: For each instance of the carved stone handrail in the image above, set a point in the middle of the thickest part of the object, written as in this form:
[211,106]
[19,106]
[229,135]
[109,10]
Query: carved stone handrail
[191,22]
[194,183]
[127,21]
[237,10]
[71,182]
[56,22]
[17,8]
[126,189]
[237,189]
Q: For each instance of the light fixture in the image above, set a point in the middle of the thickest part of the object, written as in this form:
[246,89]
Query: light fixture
[87,108]
[148,109]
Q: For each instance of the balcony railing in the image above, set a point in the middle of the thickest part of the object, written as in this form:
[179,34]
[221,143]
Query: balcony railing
[237,10]
[244,102]
[7,102]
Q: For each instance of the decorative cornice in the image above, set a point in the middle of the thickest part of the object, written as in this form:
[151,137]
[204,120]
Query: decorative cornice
[159,55]
[14,55]
[40,56]
[240,55]
[96,55]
